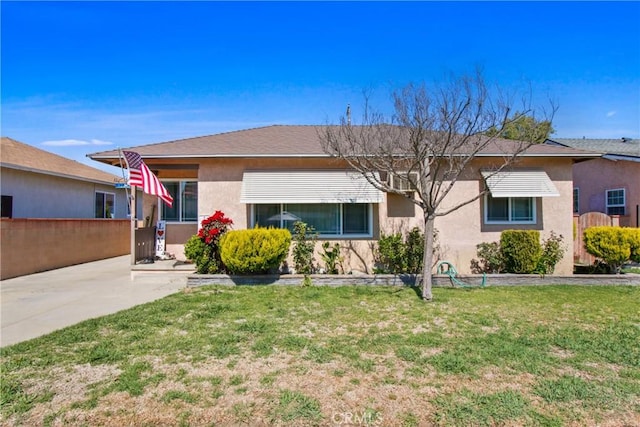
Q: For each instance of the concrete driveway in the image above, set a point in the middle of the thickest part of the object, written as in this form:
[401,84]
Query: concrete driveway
[41,303]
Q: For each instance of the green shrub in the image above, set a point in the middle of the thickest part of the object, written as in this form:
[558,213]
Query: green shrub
[552,253]
[633,234]
[493,258]
[197,251]
[490,259]
[414,249]
[612,245]
[254,251]
[396,255]
[390,255]
[331,257]
[304,243]
[203,248]
[521,250]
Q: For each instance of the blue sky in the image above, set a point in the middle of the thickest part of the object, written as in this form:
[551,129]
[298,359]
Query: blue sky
[81,77]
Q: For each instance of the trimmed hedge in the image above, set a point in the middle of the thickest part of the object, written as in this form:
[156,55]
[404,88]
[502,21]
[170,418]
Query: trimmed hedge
[613,245]
[521,250]
[634,243]
[254,251]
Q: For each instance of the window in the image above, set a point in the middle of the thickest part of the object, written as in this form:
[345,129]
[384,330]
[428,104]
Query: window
[405,182]
[506,210]
[185,201]
[6,211]
[576,200]
[328,219]
[616,202]
[105,205]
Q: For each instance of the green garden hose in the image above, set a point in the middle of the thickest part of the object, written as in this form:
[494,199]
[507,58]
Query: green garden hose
[452,272]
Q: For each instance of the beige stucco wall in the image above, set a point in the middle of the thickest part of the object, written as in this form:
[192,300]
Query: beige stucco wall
[220,182]
[462,230]
[595,177]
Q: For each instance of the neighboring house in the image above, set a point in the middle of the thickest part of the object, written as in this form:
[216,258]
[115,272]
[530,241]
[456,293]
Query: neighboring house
[609,184]
[38,184]
[271,175]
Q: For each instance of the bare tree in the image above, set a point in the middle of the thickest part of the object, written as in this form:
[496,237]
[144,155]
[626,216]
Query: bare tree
[428,143]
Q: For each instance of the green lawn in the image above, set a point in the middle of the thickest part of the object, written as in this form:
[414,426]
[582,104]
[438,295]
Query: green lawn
[295,356]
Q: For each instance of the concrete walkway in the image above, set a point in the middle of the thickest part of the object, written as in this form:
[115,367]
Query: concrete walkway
[41,303]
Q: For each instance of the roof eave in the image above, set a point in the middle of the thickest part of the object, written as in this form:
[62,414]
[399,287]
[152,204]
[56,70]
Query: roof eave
[215,156]
[616,157]
[297,156]
[56,174]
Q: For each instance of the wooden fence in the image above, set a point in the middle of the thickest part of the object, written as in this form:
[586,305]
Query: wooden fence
[582,222]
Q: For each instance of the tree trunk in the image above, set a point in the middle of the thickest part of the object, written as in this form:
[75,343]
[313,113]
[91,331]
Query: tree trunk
[427,262]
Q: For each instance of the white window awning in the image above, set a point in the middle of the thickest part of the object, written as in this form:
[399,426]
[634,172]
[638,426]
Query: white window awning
[315,186]
[526,183]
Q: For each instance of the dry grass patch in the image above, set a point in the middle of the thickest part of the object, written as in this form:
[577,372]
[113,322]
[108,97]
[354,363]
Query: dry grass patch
[346,355]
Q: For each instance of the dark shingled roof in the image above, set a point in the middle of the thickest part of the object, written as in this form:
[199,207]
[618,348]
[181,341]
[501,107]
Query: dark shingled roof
[17,155]
[282,141]
[620,147]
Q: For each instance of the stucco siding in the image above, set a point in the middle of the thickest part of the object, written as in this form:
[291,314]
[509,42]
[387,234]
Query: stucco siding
[461,230]
[595,177]
[46,196]
[220,183]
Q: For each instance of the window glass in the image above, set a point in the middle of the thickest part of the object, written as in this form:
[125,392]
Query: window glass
[267,216]
[615,210]
[185,201]
[189,201]
[110,203]
[6,211]
[323,217]
[356,218]
[521,209]
[497,209]
[576,200]
[616,202]
[329,219]
[615,197]
[172,213]
[105,205]
[99,205]
[510,209]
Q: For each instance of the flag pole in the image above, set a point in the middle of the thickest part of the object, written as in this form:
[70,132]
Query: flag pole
[133,226]
[132,211]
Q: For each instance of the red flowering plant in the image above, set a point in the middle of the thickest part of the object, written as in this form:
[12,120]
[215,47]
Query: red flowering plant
[214,227]
[203,248]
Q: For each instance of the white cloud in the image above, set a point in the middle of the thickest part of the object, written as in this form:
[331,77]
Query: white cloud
[99,142]
[611,113]
[75,143]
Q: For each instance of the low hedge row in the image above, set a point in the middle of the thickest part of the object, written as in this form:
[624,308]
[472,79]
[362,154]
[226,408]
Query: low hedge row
[613,245]
[520,252]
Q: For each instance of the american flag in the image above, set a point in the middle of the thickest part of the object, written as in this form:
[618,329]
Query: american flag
[141,176]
